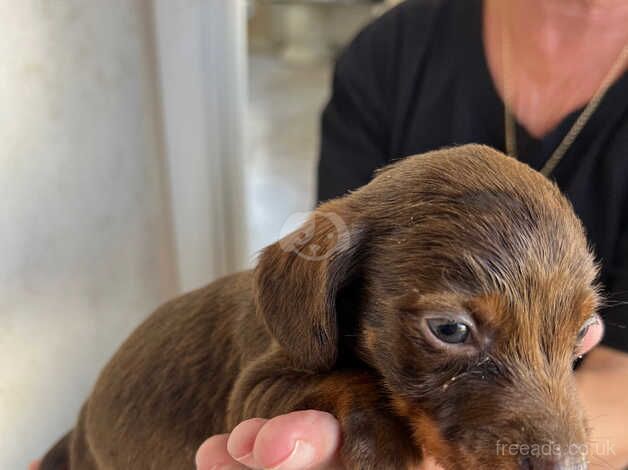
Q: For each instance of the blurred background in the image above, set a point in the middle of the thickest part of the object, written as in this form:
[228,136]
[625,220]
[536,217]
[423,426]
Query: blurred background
[146,148]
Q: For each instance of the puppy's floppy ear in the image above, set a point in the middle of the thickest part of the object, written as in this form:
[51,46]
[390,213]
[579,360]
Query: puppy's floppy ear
[297,280]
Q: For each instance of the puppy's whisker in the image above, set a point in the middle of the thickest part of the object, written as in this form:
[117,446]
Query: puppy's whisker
[616,303]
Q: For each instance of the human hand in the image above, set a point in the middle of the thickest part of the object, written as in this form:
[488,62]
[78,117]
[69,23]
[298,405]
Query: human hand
[295,441]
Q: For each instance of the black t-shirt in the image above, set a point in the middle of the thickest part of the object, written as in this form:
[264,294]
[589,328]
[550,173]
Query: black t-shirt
[417,79]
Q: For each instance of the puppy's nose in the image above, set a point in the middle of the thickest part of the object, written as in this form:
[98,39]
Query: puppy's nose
[541,463]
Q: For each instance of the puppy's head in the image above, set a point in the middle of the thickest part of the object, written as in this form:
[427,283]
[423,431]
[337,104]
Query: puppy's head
[464,279]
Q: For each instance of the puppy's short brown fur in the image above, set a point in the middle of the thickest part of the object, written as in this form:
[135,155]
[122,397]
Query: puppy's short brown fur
[336,316]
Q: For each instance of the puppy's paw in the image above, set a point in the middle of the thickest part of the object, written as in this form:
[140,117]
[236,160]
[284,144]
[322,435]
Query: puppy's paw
[374,440]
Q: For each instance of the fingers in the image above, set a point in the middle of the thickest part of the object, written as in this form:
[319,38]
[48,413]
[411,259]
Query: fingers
[295,441]
[299,440]
[213,455]
[242,440]
[34,465]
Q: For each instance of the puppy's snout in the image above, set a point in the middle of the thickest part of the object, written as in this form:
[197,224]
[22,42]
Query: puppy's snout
[545,463]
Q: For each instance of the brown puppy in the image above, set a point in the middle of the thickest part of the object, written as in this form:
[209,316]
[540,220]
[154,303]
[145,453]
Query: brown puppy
[441,306]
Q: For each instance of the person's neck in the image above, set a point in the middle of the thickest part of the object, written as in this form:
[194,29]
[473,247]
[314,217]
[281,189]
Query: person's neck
[550,27]
[559,52]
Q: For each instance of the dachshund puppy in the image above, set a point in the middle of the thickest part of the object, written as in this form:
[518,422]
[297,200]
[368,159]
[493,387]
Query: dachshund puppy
[441,306]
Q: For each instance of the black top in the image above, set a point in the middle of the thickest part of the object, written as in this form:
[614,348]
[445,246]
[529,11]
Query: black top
[417,79]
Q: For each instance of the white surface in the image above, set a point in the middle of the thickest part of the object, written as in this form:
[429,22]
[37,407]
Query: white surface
[85,252]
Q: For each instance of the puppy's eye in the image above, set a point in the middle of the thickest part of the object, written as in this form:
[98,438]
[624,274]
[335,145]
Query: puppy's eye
[448,331]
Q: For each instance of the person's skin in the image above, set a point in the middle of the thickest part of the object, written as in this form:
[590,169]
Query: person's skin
[258,440]
[602,383]
[550,39]
[551,42]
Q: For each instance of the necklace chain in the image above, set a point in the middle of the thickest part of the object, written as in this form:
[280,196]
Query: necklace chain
[581,121]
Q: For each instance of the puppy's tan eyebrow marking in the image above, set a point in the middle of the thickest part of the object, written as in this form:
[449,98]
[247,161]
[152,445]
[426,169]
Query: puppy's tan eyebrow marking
[438,301]
[486,308]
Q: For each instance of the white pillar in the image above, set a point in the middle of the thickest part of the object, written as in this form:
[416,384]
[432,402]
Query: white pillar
[85,245]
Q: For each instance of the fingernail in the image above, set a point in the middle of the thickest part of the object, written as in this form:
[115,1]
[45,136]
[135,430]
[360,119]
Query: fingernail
[302,455]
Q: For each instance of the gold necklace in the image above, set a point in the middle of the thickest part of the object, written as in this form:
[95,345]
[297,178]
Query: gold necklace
[581,121]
